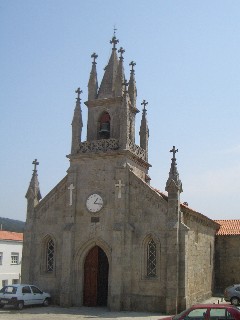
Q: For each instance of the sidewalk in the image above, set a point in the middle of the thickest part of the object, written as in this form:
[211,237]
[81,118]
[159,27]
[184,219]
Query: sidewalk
[82,313]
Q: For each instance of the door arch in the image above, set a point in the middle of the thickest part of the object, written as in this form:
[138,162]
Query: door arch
[96,268]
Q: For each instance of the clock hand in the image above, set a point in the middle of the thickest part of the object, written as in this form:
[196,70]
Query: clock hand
[96,202]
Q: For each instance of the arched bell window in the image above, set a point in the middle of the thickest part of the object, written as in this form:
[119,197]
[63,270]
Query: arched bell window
[104,128]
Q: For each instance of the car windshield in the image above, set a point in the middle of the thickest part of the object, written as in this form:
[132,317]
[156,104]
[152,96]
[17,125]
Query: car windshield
[9,289]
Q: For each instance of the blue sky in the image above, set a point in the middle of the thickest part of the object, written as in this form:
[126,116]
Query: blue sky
[187,67]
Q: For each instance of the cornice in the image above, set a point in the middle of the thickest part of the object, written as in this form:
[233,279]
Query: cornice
[103,102]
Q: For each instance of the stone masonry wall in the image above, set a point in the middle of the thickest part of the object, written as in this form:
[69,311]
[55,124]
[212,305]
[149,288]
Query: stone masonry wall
[227,262]
[199,259]
[147,216]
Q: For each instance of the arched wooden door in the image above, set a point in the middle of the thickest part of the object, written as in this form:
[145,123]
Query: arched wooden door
[95,278]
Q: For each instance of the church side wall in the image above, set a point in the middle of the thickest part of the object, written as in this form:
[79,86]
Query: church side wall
[199,260]
[147,216]
[227,262]
[49,222]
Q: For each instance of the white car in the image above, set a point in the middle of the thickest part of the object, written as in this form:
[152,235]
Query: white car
[20,295]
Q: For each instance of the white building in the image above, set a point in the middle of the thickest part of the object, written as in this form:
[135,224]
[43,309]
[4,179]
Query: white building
[10,257]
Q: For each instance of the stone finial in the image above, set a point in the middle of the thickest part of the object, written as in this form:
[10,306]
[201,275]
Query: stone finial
[125,84]
[144,103]
[35,163]
[144,131]
[132,64]
[33,191]
[121,51]
[174,151]
[114,41]
[93,82]
[78,91]
[77,123]
[173,173]
[94,56]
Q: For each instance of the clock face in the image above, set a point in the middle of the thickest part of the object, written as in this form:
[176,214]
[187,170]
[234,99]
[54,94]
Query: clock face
[94,202]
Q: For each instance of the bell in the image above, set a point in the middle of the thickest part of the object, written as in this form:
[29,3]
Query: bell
[105,130]
[105,127]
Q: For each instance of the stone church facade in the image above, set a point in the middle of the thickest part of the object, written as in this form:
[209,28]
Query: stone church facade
[103,235]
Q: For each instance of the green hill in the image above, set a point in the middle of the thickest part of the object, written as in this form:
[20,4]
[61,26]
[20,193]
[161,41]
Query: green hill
[11,225]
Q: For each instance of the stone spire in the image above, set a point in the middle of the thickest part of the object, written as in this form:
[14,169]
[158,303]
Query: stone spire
[77,123]
[132,90]
[107,87]
[173,236]
[120,77]
[173,179]
[93,82]
[33,194]
[144,131]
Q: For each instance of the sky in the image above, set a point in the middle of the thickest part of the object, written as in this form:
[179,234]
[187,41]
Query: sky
[187,55]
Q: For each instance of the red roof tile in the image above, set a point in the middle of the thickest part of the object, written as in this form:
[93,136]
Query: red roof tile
[228,227]
[7,235]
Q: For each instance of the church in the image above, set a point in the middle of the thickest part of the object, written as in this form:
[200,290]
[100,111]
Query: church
[103,236]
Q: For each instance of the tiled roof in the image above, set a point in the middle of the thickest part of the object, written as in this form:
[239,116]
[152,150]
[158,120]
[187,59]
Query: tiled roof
[7,235]
[228,227]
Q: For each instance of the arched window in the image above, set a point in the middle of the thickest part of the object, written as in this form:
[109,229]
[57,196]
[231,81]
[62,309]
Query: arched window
[151,259]
[104,128]
[50,256]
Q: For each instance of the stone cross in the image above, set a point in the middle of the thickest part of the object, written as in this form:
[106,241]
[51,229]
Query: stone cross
[121,51]
[174,151]
[36,163]
[119,185]
[94,56]
[132,64]
[114,41]
[78,91]
[125,84]
[144,103]
[71,188]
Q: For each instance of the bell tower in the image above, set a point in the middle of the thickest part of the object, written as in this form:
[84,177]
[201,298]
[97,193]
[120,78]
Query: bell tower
[112,108]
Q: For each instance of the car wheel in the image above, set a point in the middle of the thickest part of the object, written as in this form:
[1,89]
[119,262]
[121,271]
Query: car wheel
[20,305]
[235,301]
[46,302]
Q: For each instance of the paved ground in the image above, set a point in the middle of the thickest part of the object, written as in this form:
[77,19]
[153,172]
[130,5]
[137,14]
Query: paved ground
[57,313]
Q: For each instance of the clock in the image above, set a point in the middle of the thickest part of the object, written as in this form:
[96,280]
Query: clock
[94,203]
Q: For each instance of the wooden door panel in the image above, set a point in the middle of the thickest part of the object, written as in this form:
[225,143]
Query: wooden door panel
[102,293]
[90,278]
[95,278]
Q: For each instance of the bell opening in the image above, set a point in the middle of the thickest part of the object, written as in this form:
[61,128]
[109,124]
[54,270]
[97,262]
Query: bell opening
[104,132]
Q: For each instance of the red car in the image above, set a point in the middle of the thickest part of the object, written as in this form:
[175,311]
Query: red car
[208,312]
